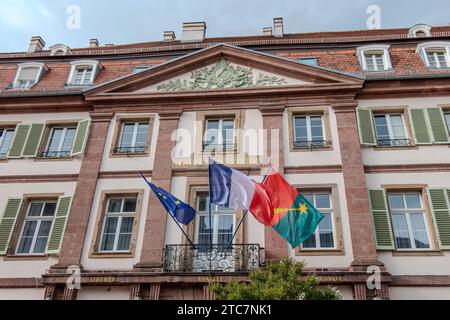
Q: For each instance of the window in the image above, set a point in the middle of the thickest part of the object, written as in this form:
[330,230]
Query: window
[222,224]
[219,134]
[6,136]
[36,227]
[419,30]
[390,130]
[435,54]
[309,132]
[133,137]
[323,238]
[312,61]
[83,73]
[117,228]
[374,57]
[408,221]
[447,120]
[140,69]
[60,142]
[28,74]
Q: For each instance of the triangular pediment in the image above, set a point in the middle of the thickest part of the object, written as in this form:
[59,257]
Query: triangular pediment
[224,67]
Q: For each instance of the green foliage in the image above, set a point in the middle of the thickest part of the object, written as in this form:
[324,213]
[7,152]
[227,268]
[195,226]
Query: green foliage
[278,281]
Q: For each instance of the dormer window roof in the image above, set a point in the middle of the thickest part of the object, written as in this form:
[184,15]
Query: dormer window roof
[374,57]
[28,74]
[420,30]
[83,73]
[435,55]
[59,50]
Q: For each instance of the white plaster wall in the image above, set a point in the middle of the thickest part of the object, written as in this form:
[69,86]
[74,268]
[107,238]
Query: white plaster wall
[424,265]
[129,163]
[347,292]
[22,294]
[173,233]
[421,155]
[104,293]
[305,158]
[327,261]
[419,293]
[20,268]
[117,263]
[186,136]
[35,167]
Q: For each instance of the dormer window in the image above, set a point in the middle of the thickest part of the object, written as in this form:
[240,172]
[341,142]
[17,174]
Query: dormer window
[374,58]
[435,54]
[28,74]
[59,50]
[419,30]
[83,73]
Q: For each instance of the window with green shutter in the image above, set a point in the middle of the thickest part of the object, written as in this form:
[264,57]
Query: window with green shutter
[80,137]
[440,207]
[366,128]
[59,225]
[438,125]
[19,140]
[381,220]
[33,140]
[422,134]
[8,223]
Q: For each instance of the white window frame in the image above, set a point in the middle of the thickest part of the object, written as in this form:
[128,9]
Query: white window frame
[57,48]
[308,126]
[333,224]
[39,220]
[220,140]
[407,212]
[424,47]
[63,137]
[426,29]
[42,69]
[95,65]
[2,137]
[120,215]
[389,125]
[366,50]
[447,122]
[141,68]
[135,132]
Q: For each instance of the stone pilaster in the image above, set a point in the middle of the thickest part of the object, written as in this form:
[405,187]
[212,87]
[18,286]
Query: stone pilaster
[156,220]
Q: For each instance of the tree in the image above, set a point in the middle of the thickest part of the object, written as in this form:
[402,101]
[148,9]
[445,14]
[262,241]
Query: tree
[278,281]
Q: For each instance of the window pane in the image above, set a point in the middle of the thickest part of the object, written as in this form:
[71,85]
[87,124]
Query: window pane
[447,119]
[413,201]
[129,205]
[369,63]
[202,202]
[309,61]
[323,200]
[68,140]
[124,242]
[301,131]
[396,201]
[7,138]
[44,229]
[142,134]
[49,210]
[225,224]
[310,243]
[25,245]
[309,197]
[419,230]
[381,128]
[212,132]
[127,135]
[30,228]
[401,231]
[39,246]
[35,209]
[127,225]
[397,127]
[55,139]
[107,242]
[115,205]
[111,224]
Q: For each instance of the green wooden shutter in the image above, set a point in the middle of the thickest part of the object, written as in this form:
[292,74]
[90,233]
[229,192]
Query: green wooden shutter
[366,129]
[419,122]
[381,220]
[18,142]
[438,125]
[81,137]
[59,225]
[439,204]
[8,222]
[33,140]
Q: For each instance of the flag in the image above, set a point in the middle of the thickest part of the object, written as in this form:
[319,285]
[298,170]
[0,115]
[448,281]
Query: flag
[181,211]
[274,203]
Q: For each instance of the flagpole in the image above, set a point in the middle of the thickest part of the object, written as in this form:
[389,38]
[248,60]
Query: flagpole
[173,218]
[210,216]
[246,212]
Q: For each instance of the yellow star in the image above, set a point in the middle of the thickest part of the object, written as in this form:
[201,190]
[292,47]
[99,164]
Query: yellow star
[165,198]
[303,208]
[177,202]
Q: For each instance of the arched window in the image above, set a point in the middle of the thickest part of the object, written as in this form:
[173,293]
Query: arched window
[28,74]
[59,50]
[435,55]
[83,73]
[374,57]
[419,30]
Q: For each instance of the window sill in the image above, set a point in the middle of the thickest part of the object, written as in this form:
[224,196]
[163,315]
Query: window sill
[50,159]
[377,148]
[26,257]
[417,253]
[111,255]
[128,155]
[297,149]
[319,252]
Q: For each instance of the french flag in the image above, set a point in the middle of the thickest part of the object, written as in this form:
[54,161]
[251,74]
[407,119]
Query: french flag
[233,189]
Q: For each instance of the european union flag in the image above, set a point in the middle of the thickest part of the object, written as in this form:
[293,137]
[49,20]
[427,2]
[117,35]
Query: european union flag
[181,211]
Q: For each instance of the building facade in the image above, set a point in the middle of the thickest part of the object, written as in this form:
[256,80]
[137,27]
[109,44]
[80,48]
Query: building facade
[358,121]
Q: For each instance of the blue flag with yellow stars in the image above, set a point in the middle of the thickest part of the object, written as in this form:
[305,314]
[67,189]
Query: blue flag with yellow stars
[181,211]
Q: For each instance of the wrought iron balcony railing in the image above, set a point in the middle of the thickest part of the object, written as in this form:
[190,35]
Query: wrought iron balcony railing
[130,150]
[387,143]
[54,154]
[211,146]
[3,155]
[212,258]
[311,144]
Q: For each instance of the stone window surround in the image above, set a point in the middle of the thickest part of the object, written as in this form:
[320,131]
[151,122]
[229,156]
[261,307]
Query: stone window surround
[337,221]
[299,111]
[445,109]
[421,50]
[404,111]
[361,51]
[96,66]
[95,242]
[120,119]
[14,242]
[8,125]
[42,69]
[422,189]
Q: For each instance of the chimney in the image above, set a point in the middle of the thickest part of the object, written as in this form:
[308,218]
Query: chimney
[193,32]
[169,36]
[278,27]
[94,43]
[36,44]
[267,31]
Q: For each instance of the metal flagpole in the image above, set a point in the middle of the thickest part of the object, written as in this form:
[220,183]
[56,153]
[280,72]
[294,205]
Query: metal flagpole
[245,213]
[175,220]
[210,216]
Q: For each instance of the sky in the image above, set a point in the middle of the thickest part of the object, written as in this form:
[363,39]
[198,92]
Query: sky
[74,22]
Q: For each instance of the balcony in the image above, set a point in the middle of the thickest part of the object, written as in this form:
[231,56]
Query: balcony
[54,154]
[390,143]
[311,145]
[130,150]
[212,258]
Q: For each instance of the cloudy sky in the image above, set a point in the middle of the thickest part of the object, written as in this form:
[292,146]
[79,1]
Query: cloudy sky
[127,21]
